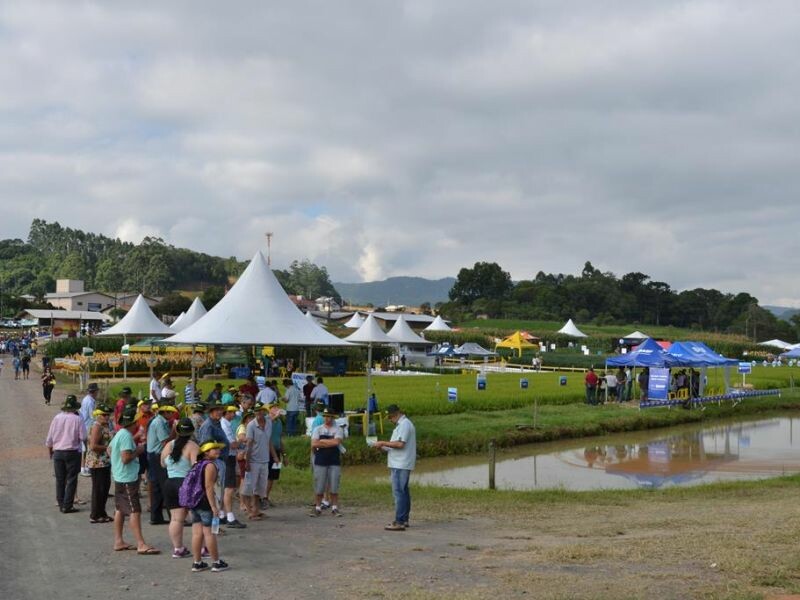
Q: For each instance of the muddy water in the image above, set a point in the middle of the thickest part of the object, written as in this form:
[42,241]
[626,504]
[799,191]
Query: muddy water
[686,455]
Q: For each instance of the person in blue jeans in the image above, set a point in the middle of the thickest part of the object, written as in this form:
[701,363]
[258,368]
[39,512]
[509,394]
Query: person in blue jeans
[401,459]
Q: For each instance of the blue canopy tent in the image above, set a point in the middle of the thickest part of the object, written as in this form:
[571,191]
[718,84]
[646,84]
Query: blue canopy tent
[794,353]
[697,354]
[647,354]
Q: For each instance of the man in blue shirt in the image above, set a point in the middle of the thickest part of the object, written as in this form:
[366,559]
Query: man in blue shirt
[402,457]
[158,433]
[211,431]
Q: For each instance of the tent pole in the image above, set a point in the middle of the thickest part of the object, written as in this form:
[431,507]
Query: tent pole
[125,358]
[369,373]
[194,371]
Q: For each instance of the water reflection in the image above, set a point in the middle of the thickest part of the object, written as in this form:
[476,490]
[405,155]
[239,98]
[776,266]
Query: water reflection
[660,458]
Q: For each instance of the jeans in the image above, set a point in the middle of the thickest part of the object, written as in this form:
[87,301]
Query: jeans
[401,493]
[67,465]
[292,419]
[591,397]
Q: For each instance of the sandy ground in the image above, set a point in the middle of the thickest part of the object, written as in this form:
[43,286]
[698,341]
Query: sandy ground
[737,543]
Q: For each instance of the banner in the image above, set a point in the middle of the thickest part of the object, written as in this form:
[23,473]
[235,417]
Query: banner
[452,394]
[658,385]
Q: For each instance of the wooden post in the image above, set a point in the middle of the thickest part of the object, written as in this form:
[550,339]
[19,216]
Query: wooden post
[492,459]
[535,412]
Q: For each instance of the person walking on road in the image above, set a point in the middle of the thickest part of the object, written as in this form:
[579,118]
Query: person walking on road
[64,441]
[99,463]
[48,383]
[124,453]
[401,459]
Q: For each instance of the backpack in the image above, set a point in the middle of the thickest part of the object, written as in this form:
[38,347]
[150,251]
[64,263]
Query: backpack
[193,486]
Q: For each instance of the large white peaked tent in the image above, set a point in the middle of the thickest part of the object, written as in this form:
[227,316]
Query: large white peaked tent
[438,325]
[196,312]
[401,333]
[256,311]
[140,320]
[570,329]
[355,321]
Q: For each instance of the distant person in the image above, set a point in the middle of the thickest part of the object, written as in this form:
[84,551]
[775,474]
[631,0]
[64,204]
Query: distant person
[622,382]
[320,392]
[155,387]
[644,382]
[590,381]
[307,389]
[215,396]
[611,386]
[26,365]
[268,395]
[295,404]
[48,383]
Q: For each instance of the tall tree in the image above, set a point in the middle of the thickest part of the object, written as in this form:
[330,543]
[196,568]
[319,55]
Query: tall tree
[483,280]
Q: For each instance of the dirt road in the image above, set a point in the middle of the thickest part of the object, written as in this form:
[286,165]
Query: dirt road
[730,542]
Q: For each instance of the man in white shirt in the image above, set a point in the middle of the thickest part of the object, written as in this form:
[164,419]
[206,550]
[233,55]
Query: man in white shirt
[266,396]
[295,404]
[402,457]
[155,388]
[320,392]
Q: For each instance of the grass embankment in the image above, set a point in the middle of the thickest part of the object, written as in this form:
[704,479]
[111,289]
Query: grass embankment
[479,417]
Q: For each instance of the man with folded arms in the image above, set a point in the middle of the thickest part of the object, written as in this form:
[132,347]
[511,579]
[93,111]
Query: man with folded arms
[65,439]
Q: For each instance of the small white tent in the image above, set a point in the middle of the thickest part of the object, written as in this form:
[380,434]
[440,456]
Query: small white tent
[401,333]
[636,335]
[370,333]
[196,312]
[777,344]
[177,322]
[570,329]
[355,321]
[140,320]
[438,325]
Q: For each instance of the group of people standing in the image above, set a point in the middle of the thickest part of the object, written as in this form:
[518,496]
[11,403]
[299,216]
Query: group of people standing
[194,465]
[611,386]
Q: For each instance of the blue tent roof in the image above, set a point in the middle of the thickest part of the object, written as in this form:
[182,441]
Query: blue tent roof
[697,354]
[647,354]
[794,353]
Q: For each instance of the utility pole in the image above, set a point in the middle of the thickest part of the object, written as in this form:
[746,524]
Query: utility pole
[269,248]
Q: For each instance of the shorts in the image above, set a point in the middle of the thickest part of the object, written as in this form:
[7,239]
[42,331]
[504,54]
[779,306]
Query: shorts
[230,472]
[200,515]
[171,488]
[254,481]
[273,474]
[126,498]
[327,477]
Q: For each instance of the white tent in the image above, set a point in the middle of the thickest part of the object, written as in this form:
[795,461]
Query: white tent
[438,325]
[636,335]
[777,344]
[256,311]
[177,322]
[195,313]
[140,320]
[471,348]
[369,333]
[570,329]
[401,333]
[355,321]
[312,318]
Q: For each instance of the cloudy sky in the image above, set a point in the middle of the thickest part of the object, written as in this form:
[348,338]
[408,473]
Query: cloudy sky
[417,137]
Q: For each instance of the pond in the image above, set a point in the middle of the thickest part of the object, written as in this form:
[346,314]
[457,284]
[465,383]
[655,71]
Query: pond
[687,455]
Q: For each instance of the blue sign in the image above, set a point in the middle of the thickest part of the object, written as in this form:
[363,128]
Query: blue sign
[452,394]
[745,368]
[523,384]
[562,380]
[658,385]
[480,382]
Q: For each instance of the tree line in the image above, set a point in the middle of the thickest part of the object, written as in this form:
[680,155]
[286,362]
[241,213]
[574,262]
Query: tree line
[603,298]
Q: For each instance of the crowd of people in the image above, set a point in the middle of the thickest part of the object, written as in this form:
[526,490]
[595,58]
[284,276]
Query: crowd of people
[194,459]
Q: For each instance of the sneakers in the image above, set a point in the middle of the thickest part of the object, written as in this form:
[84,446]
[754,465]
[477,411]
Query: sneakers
[218,566]
[85,472]
[199,566]
[315,512]
[395,526]
[335,512]
[236,524]
[325,505]
[181,552]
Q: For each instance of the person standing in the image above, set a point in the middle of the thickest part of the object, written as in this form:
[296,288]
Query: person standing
[203,514]
[99,464]
[155,388]
[258,452]
[307,389]
[591,381]
[65,438]
[622,383]
[87,416]
[48,383]
[401,459]
[267,396]
[125,469]
[326,443]
[158,434]
[229,485]
[177,458]
[276,452]
[320,392]
[295,404]
[611,386]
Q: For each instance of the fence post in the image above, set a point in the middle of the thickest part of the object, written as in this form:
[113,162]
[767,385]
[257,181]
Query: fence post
[492,459]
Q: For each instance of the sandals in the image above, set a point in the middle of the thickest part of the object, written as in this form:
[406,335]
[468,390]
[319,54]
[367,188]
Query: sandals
[148,551]
[101,520]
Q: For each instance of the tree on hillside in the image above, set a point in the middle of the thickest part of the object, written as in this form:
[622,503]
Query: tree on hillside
[483,280]
[308,280]
[173,303]
[211,296]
